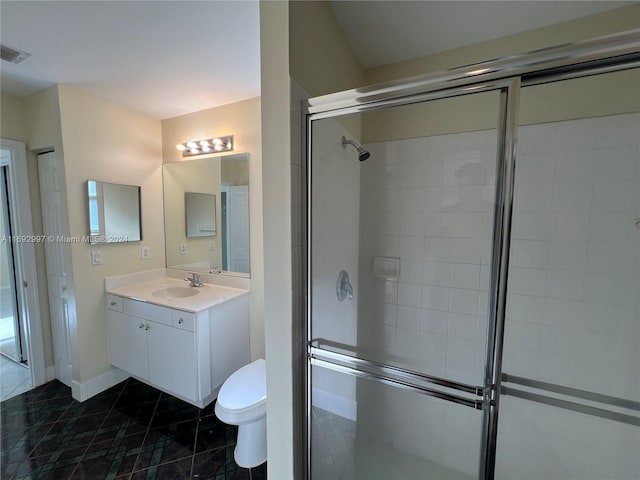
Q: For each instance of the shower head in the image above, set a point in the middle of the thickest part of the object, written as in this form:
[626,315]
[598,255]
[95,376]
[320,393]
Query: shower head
[362,153]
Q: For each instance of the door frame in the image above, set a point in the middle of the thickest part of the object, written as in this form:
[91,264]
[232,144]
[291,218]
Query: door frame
[25,258]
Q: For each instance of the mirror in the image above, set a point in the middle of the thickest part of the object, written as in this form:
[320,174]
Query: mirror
[114,212]
[192,188]
[201,214]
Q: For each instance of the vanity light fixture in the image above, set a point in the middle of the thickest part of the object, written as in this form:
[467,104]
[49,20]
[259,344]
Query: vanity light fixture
[208,145]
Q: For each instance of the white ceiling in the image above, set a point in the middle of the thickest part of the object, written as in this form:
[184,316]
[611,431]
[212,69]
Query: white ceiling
[168,58]
[163,58]
[382,32]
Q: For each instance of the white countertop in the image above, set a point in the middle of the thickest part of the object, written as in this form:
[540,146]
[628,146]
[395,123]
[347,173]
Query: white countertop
[205,297]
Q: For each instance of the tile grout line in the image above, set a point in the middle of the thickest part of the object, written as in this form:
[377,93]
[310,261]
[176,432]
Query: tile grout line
[95,434]
[195,443]
[146,434]
[50,427]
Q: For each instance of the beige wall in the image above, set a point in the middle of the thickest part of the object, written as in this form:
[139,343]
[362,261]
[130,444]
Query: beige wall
[13,118]
[241,119]
[575,30]
[580,98]
[320,57]
[12,127]
[109,143]
[276,177]
[42,126]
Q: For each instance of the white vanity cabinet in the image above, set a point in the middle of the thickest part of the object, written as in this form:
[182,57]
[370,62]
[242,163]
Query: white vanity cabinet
[187,354]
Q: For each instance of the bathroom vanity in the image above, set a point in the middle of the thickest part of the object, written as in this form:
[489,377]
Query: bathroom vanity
[181,339]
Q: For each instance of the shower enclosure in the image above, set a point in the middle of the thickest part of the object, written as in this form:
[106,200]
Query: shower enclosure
[473,285]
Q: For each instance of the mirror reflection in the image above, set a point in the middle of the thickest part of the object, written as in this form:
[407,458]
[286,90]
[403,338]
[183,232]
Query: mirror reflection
[201,214]
[222,183]
[114,212]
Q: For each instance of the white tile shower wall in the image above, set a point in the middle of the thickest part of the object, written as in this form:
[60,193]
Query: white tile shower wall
[573,314]
[428,201]
[335,230]
[573,304]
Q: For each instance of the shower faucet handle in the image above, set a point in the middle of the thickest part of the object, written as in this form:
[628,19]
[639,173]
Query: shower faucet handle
[343,287]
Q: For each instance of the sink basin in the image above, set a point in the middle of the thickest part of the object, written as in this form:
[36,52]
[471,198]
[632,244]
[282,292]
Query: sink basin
[175,292]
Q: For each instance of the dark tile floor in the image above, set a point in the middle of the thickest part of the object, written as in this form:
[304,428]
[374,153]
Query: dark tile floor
[131,431]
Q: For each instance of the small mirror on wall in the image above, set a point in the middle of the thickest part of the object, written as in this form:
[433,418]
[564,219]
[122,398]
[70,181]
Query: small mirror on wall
[114,212]
[200,214]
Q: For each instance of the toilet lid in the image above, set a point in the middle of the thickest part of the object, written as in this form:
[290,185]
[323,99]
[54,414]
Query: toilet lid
[244,388]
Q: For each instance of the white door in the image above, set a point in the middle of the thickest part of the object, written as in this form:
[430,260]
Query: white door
[58,261]
[238,221]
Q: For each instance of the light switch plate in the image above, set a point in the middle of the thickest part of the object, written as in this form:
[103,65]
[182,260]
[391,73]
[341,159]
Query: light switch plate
[183,249]
[144,253]
[96,257]
[212,245]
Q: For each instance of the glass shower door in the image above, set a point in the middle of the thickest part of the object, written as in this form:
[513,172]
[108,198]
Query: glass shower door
[570,404]
[400,266]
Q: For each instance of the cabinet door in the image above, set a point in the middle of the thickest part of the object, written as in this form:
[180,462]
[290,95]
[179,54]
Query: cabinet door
[172,359]
[128,343]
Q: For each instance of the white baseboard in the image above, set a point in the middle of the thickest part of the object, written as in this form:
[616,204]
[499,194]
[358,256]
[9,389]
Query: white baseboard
[82,391]
[49,373]
[335,404]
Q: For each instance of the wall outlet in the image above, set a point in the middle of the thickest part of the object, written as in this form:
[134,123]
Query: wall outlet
[212,245]
[183,249]
[96,257]
[144,253]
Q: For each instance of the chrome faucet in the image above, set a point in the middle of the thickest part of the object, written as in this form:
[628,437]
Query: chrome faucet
[194,281]
[215,270]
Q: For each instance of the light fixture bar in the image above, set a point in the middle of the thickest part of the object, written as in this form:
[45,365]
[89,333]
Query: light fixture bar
[208,145]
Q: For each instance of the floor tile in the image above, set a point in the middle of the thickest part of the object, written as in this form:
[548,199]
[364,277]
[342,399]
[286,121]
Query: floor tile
[179,470]
[110,459]
[173,410]
[69,433]
[167,443]
[14,378]
[212,433]
[55,465]
[122,421]
[131,431]
[136,392]
[214,464]
[17,444]
[259,472]
[103,402]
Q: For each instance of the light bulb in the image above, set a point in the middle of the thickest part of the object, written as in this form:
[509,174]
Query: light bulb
[204,143]
[206,149]
[216,141]
[194,150]
[192,145]
[181,147]
[229,146]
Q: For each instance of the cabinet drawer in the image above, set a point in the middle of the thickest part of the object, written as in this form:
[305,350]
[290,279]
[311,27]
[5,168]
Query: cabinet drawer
[114,303]
[148,311]
[184,320]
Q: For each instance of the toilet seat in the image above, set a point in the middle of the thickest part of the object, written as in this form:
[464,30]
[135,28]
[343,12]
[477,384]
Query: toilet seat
[242,401]
[245,389]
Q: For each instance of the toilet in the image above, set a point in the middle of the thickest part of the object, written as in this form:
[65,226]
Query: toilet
[242,401]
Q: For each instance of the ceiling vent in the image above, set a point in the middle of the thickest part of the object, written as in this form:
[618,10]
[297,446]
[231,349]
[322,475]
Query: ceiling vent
[12,55]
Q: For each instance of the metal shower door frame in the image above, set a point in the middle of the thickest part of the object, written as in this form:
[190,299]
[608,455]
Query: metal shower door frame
[606,54]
